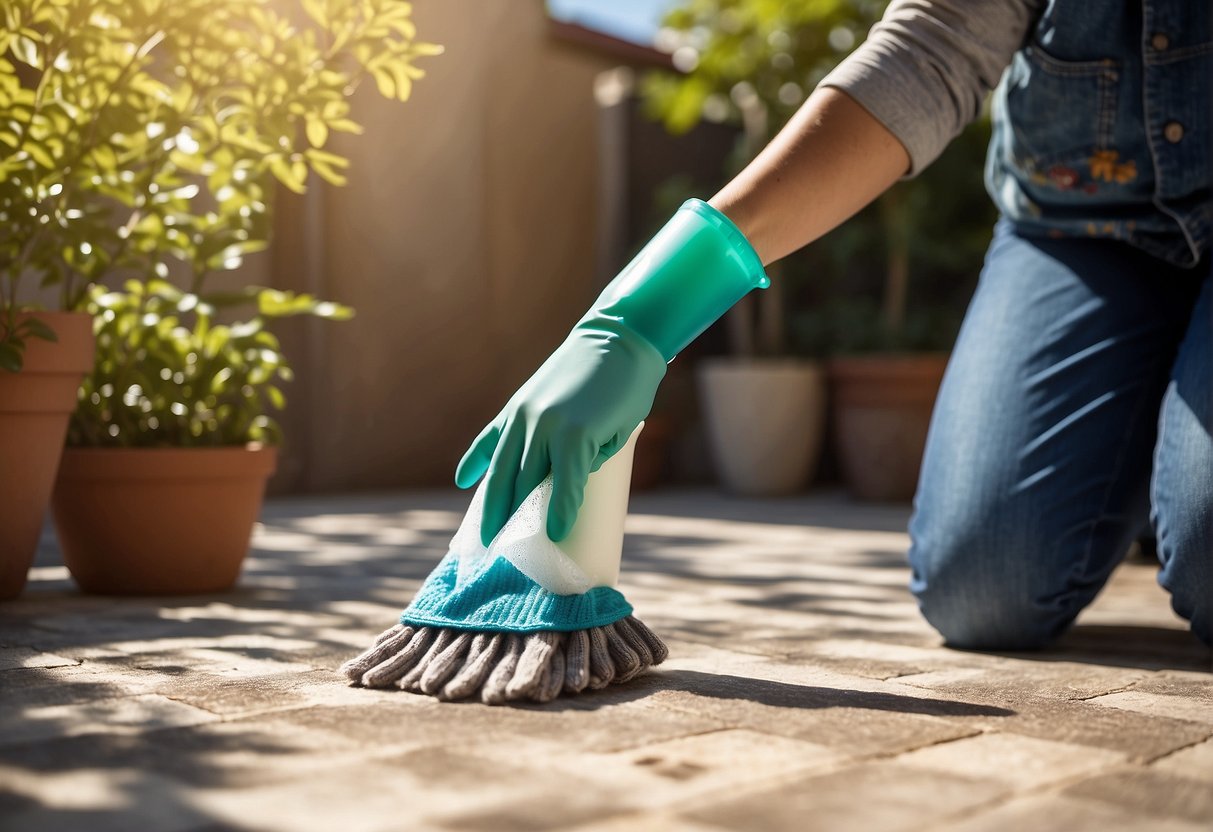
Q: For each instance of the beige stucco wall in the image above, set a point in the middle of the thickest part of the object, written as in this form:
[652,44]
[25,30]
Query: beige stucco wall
[464,239]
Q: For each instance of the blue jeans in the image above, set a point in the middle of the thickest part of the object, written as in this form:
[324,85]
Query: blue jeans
[1074,413]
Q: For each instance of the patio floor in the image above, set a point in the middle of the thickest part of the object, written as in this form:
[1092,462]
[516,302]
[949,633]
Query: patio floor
[802,692]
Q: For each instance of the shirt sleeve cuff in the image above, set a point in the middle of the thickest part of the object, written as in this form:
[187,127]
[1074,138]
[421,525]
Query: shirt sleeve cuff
[888,91]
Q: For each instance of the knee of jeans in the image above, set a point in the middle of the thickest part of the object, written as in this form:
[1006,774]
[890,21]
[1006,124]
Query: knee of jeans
[1184,527]
[989,618]
[1188,575]
[980,592]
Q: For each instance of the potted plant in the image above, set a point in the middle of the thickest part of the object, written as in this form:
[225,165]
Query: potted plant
[143,144]
[751,63]
[173,440]
[888,359]
[754,62]
[43,356]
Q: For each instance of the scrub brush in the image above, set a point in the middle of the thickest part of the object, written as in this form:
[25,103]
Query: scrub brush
[506,666]
[525,619]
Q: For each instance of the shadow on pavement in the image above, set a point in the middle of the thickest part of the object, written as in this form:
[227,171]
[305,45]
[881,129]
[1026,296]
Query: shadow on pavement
[773,694]
[1124,645]
[827,510]
[139,781]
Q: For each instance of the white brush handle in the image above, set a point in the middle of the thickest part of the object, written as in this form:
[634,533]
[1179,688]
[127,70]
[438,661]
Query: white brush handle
[596,542]
[587,558]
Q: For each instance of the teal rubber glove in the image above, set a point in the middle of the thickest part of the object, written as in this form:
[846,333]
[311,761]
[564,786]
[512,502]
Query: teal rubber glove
[577,410]
[583,403]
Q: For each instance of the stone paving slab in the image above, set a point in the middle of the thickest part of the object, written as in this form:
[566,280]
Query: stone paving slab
[1065,813]
[1022,763]
[1154,793]
[1194,761]
[803,692]
[872,795]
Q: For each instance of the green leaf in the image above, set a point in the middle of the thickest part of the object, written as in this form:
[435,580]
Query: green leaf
[11,358]
[332,311]
[288,174]
[39,329]
[238,297]
[274,303]
[385,81]
[164,289]
[345,125]
[317,10]
[39,154]
[25,49]
[427,50]
[326,165]
[317,132]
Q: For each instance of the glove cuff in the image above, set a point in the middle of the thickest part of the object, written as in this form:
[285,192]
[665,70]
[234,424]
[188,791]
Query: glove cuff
[499,598]
[692,271]
[739,250]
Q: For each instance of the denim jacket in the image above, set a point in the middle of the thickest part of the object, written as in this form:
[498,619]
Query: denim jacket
[1102,125]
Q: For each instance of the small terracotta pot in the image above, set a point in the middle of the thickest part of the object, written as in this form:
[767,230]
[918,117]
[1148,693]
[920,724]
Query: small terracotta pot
[159,521]
[882,408]
[34,408]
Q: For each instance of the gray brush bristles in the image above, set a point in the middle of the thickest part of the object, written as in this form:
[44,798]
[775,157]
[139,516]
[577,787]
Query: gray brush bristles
[497,668]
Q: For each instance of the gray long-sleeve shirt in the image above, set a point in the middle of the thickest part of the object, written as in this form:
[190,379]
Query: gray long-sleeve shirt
[927,66]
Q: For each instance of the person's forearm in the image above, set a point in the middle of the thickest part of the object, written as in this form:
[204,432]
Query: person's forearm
[831,160]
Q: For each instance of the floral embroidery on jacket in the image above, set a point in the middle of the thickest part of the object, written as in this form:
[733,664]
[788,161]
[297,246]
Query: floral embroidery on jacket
[1106,166]
[1063,177]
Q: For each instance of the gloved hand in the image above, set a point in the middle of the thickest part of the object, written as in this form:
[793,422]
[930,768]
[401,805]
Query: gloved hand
[570,417]
[583,403]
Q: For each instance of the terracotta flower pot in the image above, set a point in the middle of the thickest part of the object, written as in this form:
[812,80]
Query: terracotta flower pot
[765,420]
[159,521]
[34,408]
[882,407]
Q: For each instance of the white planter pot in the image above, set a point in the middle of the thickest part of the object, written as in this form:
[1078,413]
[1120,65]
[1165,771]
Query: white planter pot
[764,421]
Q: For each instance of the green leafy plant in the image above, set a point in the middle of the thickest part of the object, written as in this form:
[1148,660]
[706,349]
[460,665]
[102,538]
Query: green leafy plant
[143,142]
[167,374]
[143,139]
[753,62]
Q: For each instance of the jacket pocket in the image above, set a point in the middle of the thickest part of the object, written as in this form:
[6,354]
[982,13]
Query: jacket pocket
[1061,110]
[1061,116]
